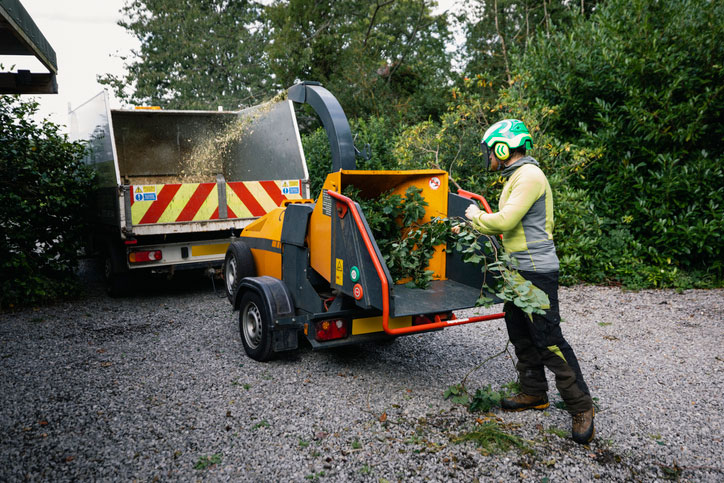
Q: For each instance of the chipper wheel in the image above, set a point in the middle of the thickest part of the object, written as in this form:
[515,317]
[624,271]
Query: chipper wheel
[255,327]
[238,264]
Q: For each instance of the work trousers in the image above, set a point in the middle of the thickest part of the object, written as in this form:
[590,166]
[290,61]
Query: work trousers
[539,343]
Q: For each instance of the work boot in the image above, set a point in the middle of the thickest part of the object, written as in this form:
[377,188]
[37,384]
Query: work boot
[583,429]
[522,401]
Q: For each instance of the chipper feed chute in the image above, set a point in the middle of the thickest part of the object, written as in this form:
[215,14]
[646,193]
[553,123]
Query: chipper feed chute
[343,248]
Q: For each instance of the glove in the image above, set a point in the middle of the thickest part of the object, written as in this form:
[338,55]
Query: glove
[472,211]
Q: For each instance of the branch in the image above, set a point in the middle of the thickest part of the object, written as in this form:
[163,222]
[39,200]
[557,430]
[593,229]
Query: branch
[502,41]
[372,21]
[320,29]
[412,38]
[505,349]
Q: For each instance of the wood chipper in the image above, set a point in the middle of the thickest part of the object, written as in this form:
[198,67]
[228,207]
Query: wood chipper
[314,267]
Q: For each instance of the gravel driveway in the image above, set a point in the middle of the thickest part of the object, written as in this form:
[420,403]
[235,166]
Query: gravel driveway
[157,386]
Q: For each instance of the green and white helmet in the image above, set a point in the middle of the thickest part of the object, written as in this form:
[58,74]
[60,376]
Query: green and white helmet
[504,136]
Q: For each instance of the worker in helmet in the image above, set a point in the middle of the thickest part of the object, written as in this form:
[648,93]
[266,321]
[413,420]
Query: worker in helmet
[525,219]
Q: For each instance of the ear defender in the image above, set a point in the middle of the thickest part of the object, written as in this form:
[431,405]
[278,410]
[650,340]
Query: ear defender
[501,150]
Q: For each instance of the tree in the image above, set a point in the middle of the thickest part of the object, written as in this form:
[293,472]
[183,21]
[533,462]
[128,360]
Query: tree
[194,54]
[43,189]
[498,30]
[381,58]
[652,98]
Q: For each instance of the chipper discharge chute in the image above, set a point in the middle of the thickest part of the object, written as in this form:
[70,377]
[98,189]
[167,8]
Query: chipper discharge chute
[315,267]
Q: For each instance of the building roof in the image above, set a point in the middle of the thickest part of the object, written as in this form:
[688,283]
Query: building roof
[20,36]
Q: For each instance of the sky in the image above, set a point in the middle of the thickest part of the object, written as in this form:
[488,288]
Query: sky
[87,42]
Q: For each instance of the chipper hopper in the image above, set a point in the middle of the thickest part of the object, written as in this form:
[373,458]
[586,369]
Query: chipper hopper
[314,267]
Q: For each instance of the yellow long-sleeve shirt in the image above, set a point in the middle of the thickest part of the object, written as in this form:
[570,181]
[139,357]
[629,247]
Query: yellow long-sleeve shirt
[525,217]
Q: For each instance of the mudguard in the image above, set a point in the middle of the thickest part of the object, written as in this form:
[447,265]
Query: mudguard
[279,305]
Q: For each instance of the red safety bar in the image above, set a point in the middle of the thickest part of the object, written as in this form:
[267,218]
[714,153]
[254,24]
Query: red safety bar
[474,196]
[386,287]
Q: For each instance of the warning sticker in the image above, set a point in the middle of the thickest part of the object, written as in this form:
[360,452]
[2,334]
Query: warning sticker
[339,272]
[434,182]
[326,203]
[144,193]
[290,187]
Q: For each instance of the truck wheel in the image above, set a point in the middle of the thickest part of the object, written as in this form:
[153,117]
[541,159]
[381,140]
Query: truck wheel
[239,263]
[255,327]
[118,282]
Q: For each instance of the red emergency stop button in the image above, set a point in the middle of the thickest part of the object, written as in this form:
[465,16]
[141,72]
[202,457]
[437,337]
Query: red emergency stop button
[357,291]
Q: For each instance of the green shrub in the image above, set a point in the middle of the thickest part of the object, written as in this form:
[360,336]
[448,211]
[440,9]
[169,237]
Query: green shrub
[378,132]
[643,80]
[43,189]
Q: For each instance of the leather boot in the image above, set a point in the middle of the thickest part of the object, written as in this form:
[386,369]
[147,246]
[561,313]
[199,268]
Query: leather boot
[522,401]
[583,428]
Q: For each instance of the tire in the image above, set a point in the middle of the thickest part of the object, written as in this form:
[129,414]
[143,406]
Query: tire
[239,263]
[255,327]
[117,281]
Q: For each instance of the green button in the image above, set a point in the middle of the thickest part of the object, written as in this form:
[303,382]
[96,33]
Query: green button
[354,274]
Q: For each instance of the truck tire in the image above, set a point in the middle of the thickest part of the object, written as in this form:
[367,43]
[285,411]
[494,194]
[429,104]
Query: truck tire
[255,327]
[239,263]
[117,280]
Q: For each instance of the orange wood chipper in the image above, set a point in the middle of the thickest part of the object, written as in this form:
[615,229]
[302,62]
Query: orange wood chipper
[313,268]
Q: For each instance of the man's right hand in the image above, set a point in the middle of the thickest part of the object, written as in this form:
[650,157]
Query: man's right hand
[472,211]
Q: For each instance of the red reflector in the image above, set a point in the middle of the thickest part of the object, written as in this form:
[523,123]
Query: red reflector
[131,241]
[145,256]
[331,329]
[432,318]
[421,320]
[357,291]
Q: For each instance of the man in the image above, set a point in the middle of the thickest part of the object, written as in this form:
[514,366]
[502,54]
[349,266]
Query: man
[525,219]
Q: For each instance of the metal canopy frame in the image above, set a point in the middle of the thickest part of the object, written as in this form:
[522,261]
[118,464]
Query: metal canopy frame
[20,36]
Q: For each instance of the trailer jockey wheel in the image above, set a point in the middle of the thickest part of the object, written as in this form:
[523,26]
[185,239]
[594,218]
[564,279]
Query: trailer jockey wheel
[255,327]
[239,263]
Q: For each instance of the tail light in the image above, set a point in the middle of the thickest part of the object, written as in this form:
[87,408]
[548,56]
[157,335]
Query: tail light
[145,256]
[331,329]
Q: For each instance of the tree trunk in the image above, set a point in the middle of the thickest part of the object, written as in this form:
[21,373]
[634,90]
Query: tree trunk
[502,42]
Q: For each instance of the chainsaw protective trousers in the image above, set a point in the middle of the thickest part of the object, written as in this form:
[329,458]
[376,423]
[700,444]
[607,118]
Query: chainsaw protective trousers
[539,343]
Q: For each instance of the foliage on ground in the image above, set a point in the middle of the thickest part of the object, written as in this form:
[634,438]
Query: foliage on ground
[492,437]
[483,400]
[43,190]
[205,462]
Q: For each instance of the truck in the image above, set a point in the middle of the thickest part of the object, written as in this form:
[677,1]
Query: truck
[174,187]
[312,270]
